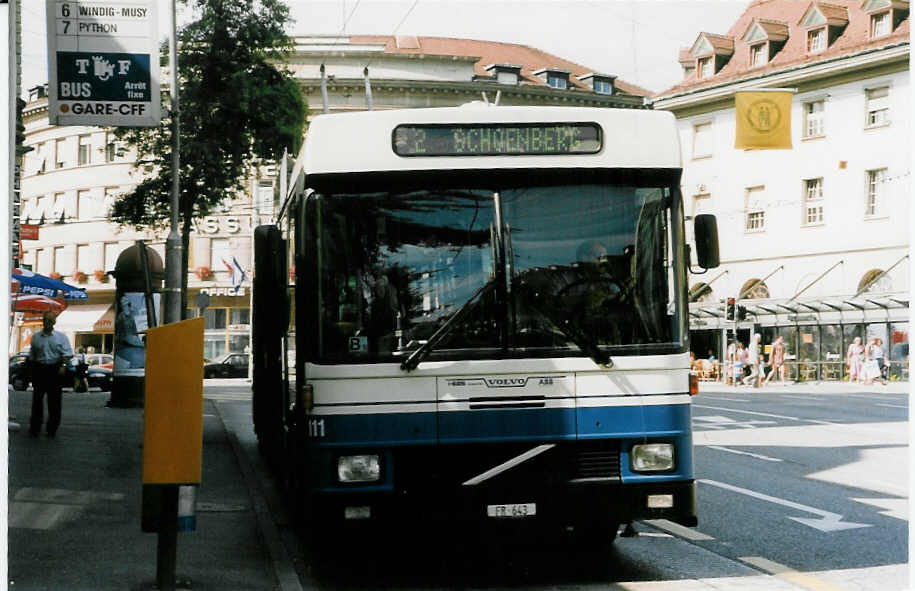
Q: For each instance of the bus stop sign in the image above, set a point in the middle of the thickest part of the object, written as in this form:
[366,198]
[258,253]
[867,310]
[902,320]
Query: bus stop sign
[103,63]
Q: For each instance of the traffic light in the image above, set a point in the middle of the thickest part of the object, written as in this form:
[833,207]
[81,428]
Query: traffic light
[741,313]
[21,148]
[729,313]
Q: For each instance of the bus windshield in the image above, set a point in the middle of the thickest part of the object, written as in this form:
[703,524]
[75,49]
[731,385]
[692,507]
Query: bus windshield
[508,271]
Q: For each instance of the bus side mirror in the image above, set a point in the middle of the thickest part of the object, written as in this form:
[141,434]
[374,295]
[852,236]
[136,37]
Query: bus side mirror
[705,229]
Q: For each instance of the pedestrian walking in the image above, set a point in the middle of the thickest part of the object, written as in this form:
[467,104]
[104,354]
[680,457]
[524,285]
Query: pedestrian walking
[729,359]
[753,357]
[740,363]
[871,369]
[777,359]
[853,358]
[49,353]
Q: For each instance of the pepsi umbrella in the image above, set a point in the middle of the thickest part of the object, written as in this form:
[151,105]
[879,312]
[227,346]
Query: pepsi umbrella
[33,283]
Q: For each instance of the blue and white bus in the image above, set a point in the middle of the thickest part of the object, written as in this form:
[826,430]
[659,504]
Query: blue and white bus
[480,313]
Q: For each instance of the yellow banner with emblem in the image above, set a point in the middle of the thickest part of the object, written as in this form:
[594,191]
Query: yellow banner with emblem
[763,119]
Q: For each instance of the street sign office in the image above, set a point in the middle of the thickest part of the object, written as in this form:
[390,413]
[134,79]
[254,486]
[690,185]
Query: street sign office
[103,63]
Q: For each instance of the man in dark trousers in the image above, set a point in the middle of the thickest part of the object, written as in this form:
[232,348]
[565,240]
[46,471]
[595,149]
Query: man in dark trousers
[49,353]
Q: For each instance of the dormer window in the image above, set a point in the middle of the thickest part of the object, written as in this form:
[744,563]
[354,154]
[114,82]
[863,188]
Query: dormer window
[505,73]
[601,83]
[880,24]
[824,24]
[757,55]
[885,15]
[706,67]
[816,40]
[711,52]
[555,78]
[765,38]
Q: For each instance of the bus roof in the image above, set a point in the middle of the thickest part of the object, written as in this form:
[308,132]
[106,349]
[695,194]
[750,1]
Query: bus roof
[363,141]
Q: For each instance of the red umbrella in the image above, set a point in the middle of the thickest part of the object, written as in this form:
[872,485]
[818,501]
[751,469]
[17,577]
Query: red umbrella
[30,302]
[34,305]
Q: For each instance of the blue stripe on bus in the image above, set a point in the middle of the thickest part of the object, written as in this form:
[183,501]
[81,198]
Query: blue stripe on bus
[480,426]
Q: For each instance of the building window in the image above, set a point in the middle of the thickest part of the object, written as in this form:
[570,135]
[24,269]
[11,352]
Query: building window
[755,220]
[702,140]
[111,147]
[59,153]
[706,67]
[876,188]
[757,54]
[112,251]
[602,86]
[84,258]
[878,106]
[880,24]
[813,118]
[510,78]
[62,263]
[816,40]
[264,198]
[813,201]
[43,261]
[556,81]
[219,251]
[84,155]
[85,206]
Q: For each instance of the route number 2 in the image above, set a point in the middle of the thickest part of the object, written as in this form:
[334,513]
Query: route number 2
[316,428]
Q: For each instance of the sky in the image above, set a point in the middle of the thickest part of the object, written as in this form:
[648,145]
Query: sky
[637,41]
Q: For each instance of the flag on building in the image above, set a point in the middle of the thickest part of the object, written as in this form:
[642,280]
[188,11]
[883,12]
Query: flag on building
[763,119]
[237,273]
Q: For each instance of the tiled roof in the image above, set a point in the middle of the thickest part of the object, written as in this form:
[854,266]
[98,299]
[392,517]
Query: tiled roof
[854,38]
[493,52]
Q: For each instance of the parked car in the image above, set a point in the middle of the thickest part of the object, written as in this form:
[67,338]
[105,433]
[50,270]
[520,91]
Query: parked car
[96,376]
[100,377]
[229,365]
[105,360]
[19,371]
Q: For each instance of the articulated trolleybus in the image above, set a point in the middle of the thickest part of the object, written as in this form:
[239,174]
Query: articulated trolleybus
[480,313]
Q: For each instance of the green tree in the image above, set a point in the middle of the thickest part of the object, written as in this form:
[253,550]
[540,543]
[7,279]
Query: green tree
[238,105]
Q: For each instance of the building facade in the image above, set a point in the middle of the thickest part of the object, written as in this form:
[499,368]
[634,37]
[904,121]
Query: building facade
[814,239]
[74,174]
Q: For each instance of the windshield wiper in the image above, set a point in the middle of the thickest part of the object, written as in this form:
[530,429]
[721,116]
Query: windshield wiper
[578,337]
[410,363]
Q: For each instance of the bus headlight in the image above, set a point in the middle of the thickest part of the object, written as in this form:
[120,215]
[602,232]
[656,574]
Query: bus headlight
[362,468]
[652,457]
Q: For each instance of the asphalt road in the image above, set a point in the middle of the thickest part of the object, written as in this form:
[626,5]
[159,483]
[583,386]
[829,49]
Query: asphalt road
[808,489]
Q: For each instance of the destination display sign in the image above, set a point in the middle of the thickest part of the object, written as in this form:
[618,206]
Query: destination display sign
[103,63]
[497,139]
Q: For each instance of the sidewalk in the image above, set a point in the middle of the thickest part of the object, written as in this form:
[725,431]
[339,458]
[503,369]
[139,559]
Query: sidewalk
[75,500]
[809,388]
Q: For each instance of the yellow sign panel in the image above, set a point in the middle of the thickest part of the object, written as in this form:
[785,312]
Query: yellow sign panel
[173,431]
[763,120]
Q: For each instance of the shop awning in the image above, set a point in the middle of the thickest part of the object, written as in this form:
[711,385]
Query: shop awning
[869,306]
[86,318]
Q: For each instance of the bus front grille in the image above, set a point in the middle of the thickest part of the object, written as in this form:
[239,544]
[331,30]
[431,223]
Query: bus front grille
[596,462]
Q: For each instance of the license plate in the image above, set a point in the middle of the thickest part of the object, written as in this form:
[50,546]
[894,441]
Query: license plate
[512,510]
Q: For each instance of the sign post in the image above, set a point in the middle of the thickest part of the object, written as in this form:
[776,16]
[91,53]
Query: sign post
[103,63]
[173,432]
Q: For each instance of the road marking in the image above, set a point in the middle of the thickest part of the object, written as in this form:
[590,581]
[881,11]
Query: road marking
[721,422]
[810,398]
[893,406]
[763,414]
[828,522]
[744,453]
[677,529]
[898,508]
[789,574]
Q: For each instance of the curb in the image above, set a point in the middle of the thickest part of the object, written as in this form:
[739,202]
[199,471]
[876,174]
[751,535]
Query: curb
[283,569]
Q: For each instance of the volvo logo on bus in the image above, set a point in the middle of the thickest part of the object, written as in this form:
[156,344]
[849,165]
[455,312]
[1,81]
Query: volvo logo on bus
[504,382]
